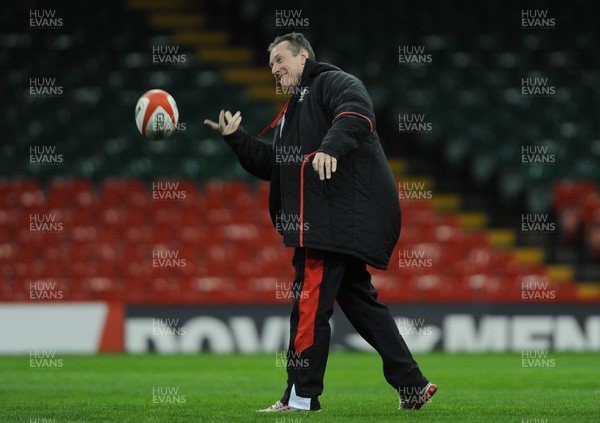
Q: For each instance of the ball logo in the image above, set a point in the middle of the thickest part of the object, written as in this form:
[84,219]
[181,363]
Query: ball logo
[156,115]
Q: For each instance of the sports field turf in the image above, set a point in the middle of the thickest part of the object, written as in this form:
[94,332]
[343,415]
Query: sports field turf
[206,388]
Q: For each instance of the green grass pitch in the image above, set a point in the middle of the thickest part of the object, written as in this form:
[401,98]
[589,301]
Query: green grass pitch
[207,388]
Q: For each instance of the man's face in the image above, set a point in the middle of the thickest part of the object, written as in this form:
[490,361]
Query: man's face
[285,67]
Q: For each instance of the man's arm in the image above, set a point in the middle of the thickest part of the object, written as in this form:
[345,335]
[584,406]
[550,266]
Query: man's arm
[255,157]
[347,99]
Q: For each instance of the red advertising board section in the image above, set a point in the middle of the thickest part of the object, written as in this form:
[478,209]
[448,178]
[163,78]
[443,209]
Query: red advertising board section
[112,334]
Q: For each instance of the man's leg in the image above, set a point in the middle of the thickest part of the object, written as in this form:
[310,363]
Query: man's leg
[316,284]
[372,320]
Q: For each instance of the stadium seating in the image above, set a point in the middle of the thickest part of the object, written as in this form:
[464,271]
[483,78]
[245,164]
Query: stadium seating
[227,247]
[102,194]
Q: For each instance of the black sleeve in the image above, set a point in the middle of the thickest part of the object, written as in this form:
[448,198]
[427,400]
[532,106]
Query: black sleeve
[353,118]
[255,156]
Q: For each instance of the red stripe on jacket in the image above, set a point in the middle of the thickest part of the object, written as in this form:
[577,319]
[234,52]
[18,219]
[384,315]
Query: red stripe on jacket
[357,114]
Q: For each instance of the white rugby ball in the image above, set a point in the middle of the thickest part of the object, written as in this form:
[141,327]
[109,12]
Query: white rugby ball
[156,114]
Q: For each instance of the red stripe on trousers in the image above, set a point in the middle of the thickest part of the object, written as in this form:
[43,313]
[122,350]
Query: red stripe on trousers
[309,302]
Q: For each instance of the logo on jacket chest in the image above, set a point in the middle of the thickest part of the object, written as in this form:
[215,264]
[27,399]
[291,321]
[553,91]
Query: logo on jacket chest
[303,93]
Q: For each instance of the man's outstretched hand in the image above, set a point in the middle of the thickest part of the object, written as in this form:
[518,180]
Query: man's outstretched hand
[325,165]
[228,123]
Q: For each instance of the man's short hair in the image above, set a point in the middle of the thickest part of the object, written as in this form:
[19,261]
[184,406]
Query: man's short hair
[297,43]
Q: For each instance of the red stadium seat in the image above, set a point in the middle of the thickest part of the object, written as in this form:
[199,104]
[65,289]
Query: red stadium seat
[231,250]
[571,193]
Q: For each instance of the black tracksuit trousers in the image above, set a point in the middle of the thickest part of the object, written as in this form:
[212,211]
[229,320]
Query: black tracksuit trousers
[321,278]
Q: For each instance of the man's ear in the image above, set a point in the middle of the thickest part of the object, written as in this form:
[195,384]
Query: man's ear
[304,55]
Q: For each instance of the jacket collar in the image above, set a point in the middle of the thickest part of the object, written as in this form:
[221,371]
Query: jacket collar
[312,69]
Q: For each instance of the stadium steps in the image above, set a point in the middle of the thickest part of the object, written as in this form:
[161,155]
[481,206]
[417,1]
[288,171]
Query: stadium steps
[259,83]
[212,47]
[399,167]
[473,220]
[262,92]
[529,255]
[588,290]
[560,273]
[161,5]
[224,56]
[177,21]
[249,75]
[500,239]
[201,39]
[446,203]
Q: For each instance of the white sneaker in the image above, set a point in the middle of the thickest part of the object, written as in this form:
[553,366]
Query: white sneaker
[279,407]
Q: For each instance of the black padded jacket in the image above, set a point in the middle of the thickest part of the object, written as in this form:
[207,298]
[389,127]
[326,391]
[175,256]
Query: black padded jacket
[357,211]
